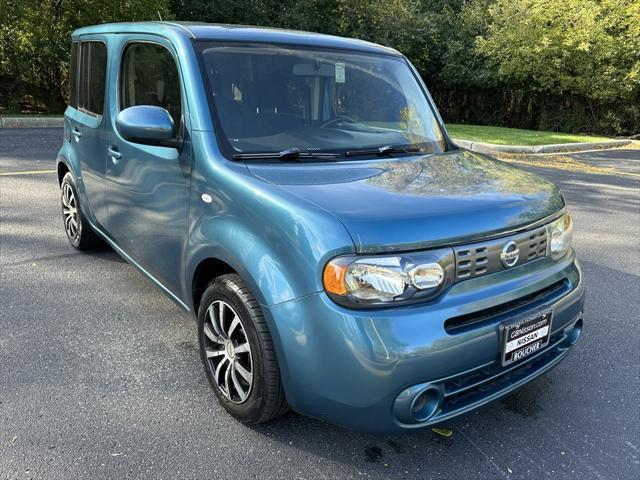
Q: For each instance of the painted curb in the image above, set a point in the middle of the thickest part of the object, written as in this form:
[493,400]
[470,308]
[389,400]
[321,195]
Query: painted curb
[30,122]
[559,147]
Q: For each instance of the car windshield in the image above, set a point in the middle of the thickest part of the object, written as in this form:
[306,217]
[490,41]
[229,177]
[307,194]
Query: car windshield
[270,99]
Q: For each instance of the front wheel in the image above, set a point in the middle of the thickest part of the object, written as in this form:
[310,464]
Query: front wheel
[80,234]
[237,352]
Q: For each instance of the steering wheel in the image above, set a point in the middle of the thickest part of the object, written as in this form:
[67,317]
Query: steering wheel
[338,119]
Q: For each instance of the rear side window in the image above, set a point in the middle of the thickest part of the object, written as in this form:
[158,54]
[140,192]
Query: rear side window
[150,77]
[73,76]
[93,71]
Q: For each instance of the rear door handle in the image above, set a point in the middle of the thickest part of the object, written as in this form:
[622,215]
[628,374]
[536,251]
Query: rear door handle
[76,133]
[113,152]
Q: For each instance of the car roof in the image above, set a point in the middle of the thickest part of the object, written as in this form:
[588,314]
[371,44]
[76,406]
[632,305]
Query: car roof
[235,33]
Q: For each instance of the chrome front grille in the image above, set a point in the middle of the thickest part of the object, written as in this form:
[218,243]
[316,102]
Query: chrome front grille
[482,258]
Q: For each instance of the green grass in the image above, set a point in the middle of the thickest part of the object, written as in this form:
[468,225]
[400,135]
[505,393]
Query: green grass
[515,136]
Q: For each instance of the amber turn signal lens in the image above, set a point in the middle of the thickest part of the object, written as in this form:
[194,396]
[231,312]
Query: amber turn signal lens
[333,278]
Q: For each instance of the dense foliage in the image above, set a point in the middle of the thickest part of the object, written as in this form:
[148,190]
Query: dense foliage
[570,65]
[35,45]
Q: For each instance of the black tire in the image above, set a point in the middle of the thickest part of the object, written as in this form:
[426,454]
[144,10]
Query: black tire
[264,398]
[82,236]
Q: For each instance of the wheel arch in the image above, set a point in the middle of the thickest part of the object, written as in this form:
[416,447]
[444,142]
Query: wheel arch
[62,169]
[207,270]
[211,262]
[225,245]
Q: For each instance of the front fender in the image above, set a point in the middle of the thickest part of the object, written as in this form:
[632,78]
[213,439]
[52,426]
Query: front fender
[277,242]
[275,268]
[215,236]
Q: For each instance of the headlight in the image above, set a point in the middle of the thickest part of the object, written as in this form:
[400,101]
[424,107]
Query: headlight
[560,236]
[379,280]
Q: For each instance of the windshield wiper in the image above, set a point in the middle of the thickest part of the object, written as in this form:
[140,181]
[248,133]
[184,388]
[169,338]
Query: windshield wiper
[299,155]
[289,154]
[384,150]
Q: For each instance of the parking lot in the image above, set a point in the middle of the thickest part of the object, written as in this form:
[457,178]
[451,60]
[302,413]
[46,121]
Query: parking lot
[100,374]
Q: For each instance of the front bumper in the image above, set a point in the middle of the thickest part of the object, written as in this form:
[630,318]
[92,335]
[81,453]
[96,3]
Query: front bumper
[362,369]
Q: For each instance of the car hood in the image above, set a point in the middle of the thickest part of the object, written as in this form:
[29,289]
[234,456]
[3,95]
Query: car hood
[420,201]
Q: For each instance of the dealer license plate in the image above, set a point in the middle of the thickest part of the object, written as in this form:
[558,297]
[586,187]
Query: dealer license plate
[524,337]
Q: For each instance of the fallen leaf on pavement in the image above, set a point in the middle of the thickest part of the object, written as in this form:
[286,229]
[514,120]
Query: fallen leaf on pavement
[442,431]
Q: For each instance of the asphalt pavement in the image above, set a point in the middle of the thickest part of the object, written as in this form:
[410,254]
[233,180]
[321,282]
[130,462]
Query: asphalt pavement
[100,375]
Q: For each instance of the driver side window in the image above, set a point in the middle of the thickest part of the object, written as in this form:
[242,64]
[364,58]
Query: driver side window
[150,77]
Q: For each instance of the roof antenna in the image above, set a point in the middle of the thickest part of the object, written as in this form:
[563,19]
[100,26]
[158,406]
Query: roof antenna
[160,16]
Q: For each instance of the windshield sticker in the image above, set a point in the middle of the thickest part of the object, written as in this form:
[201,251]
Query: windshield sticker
[339,72]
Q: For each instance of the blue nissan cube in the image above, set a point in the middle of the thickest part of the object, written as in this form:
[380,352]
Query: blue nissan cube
[299,195]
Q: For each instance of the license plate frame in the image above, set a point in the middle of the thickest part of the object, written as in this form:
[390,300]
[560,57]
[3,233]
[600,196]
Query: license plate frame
[524,336]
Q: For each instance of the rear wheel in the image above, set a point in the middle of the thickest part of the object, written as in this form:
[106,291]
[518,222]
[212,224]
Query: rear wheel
[237,352]
[80,234]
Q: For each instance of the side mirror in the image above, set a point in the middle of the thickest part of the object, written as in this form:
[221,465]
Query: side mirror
[147,124]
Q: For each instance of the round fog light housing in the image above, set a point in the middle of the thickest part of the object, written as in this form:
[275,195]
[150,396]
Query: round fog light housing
[428,275]
[575,332]
[425,404]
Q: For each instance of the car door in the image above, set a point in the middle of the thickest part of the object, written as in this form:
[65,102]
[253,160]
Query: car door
[85,122]
[148,186]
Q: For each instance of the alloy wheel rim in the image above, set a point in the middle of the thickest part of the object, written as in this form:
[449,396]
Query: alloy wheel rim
[228,351]
[70,211]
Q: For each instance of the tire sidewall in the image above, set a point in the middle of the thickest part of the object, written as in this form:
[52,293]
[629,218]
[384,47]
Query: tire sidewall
[249,410]
[68,180]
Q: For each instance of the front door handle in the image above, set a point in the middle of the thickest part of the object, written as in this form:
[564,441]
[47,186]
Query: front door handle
[76,134]
[113,152]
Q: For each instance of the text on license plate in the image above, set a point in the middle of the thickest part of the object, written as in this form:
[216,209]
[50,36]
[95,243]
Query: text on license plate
[524,337]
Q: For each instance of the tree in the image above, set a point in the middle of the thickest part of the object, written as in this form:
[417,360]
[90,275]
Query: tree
[35,44]
[572,65]
[584,48]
